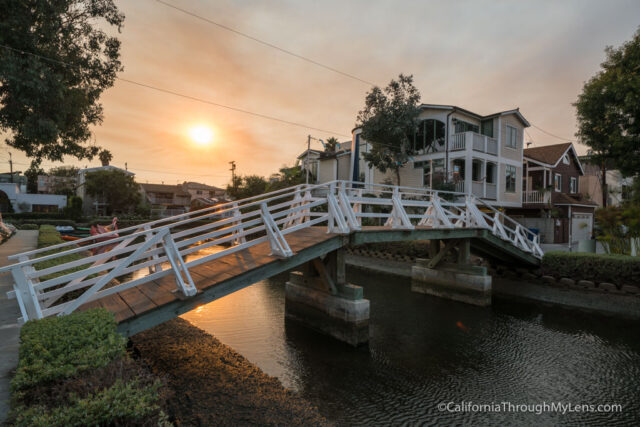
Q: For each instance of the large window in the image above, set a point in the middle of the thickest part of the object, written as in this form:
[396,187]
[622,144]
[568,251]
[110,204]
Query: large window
[486,128]
[573,185]
[512,137]
[429,137]
[557,182]
[510,179]
[462,126]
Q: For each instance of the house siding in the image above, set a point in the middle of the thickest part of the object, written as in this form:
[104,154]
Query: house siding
[508,152]
[507,196]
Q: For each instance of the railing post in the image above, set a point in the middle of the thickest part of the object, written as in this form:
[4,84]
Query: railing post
[237,233]
[157,267]
[188,288]
[279,245]
[26,295]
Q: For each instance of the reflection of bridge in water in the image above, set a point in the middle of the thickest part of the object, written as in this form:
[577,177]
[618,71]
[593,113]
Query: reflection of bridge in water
[303,227]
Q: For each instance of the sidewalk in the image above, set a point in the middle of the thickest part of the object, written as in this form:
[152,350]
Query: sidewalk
[23,240]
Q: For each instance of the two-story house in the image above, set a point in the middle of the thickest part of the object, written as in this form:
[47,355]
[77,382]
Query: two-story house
[166,200]
[480,154]
[551,200]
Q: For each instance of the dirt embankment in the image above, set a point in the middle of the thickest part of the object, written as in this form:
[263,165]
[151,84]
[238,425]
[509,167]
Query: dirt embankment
[214,385]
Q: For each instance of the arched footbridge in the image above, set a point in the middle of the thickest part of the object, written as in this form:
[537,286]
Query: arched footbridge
[153,272]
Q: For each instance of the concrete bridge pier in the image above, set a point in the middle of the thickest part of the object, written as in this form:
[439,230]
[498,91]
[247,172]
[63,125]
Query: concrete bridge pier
[459,281]
[319,297]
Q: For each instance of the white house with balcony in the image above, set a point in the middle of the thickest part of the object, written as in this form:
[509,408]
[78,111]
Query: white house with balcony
[480,154]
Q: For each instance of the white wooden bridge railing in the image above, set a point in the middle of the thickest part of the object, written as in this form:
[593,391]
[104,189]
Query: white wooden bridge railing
[173,245]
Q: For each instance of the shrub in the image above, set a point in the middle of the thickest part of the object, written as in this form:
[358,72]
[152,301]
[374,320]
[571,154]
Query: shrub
[612,268]
[49,236]
[120,403]
[58,347]
[27,227]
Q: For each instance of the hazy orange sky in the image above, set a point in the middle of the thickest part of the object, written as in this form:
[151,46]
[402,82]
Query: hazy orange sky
[485,56]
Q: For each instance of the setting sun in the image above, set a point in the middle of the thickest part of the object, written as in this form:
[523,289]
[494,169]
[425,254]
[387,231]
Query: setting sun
[201,135]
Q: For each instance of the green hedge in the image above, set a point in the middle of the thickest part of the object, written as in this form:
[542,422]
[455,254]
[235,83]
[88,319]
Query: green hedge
[49,236]
[72,371]
[27,227]
[49,221]
[63,346]
[617,269]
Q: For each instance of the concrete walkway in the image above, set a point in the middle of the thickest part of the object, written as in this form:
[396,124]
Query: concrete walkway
[23,240]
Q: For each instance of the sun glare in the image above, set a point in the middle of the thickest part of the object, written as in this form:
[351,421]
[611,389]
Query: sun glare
[201,135]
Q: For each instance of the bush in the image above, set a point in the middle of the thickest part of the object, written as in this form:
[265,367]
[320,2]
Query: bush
[614,268]
[117,404]
[49,236]
[73,370]
[33,215]
[58,347]
[27,227]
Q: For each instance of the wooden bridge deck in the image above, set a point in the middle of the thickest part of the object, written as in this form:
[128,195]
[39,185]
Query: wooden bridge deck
[154,302]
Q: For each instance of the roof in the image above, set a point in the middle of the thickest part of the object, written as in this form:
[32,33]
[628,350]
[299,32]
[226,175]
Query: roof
[163,188]
[565,199]
[515,111]
[312,151]
[332,154]
[199,186]
[550,155]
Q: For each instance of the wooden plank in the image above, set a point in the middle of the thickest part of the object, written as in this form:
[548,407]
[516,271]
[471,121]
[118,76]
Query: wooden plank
[158,294]
[136,300]
[115,304]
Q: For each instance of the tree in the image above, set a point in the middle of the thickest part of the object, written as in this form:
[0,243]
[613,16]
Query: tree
[58,62]
[66,185]
[105,157]
[247,186]
[608,112]
[118,190]
[389,121]
[32,177]
[331,145]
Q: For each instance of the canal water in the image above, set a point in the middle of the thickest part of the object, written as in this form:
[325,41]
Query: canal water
[425,352]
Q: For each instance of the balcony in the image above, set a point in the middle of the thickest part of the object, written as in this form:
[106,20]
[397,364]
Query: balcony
[535,197]
[481,143]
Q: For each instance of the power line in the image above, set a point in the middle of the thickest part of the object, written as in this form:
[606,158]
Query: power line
[550,134]
[193,98]
[273,46]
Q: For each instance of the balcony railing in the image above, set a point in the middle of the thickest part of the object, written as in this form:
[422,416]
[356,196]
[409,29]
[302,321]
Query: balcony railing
[492,192]
[460,186]
[535,197]
[479,142]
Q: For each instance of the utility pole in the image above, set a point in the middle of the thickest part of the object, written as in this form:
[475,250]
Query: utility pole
[11,166]
[308,152]
[233,173]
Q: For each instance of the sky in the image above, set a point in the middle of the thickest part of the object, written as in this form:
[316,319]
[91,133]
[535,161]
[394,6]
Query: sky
[485,56]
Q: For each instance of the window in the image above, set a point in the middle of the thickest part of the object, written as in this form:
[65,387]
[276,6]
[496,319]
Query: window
[510,179]
[557,182]
[487,128]
[462,126]
[491,173]
[476,171]
[198,191]
[429,136]
[565,159]
[573,185]
[512,137]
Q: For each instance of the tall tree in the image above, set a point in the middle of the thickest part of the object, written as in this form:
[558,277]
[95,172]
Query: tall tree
[105,157]
[117,189]
[608,112]
[55,62]
[247,186]
[389,121]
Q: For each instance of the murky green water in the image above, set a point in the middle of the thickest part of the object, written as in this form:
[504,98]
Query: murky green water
[425,351]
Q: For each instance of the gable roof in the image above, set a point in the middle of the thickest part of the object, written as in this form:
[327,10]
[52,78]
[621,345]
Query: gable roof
[164,188]
[515,111]
[550,155]
[199,186]
[565,199]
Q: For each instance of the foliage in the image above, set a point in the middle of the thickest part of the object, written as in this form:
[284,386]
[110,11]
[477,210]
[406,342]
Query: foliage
[331,145]
[119,403]
[28,226]
[618,227]
[389,121]
[608,109]
[32,175]
[105,157]
[247,186]
[73,209]
[64,171]
[117,189]
[617,269]
[45,221]
[57,347]
[288,177]
[62,60]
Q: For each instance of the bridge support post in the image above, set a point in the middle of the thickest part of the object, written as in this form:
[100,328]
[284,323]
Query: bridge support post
[319,297]
[459,281]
